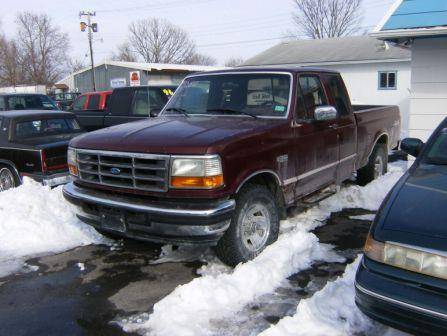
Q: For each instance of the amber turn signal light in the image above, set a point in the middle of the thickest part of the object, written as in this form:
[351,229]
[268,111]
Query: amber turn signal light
[73,170]
[207,182]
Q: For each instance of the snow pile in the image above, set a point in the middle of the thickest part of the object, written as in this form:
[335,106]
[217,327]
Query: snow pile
[36,220]
[191,308]
[331,311]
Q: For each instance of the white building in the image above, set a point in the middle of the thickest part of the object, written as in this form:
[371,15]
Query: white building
[421,25]
[375,72]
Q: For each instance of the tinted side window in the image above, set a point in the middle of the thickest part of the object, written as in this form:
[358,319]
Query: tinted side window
[93,102]
[339,94]
[312,92]
[78,104]
[2,104]
[107,101]
[121,101]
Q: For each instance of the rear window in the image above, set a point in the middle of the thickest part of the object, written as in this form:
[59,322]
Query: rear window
[31,102]
[44,127]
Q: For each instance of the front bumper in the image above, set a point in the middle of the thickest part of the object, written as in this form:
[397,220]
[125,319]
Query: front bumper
[399,303]
[160,221]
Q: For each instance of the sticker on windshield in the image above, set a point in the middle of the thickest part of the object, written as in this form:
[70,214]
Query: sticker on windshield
[279,108]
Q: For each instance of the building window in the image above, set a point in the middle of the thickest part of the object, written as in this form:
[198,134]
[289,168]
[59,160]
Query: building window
[387,80]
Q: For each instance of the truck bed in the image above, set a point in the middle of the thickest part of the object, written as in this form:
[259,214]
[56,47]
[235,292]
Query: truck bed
[372,122]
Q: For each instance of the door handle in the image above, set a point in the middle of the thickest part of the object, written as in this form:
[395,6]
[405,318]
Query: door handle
[333,126]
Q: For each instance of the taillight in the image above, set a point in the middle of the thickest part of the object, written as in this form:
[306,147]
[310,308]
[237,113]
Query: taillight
[43,158]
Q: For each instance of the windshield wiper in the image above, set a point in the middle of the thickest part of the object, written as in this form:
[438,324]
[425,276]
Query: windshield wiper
[225,110]
[178,110]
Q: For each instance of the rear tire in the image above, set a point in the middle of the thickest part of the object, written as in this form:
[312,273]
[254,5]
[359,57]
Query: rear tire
[376,167]
[254,225]
[8,178]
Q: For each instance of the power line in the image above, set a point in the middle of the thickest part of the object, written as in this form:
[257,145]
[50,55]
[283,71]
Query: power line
[178,3]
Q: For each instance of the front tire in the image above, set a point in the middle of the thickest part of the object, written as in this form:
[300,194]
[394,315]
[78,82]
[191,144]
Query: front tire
[376,167]
[8,178]
[254,225]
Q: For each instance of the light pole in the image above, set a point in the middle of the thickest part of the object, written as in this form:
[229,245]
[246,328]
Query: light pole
[92,28]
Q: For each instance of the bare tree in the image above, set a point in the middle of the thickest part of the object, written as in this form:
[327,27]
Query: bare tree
[42,48]
[318,19]
[234,62]
[11,73]
[200,59]
[159,41]
[75,65]
[124,53]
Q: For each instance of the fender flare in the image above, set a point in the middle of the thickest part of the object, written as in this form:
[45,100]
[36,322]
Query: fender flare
[258,172]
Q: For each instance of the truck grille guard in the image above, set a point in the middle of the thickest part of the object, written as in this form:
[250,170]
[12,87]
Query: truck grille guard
[148,172]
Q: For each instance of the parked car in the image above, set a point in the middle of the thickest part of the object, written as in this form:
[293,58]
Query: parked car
[34,144]
[91,106]
[64,100]
[231,151]
[402,280]
[26,101]
[126,105]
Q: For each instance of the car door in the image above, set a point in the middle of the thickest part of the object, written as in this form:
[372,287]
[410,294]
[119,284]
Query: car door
[87,111]
[316,143]
[345,125]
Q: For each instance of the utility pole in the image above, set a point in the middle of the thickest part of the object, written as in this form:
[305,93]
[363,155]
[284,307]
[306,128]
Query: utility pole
[92,28]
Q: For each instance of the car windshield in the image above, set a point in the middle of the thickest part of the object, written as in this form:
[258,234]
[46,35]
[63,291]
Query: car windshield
[45,127]
[437,153]
[30,102]
[257,95]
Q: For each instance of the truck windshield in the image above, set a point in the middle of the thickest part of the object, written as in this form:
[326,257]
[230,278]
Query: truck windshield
[46,127]
[437,153]
[261,95]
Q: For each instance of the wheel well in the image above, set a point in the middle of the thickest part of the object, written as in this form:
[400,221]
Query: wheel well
[11,166]
[383,139]
[271,181]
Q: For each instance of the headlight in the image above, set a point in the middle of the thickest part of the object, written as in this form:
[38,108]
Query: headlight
[196,172]
[408,258]
[72,162]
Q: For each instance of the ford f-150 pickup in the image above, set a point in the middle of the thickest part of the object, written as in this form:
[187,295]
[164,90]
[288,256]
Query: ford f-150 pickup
[228,155]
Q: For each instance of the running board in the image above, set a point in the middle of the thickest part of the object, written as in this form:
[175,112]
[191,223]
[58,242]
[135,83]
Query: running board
[319,196]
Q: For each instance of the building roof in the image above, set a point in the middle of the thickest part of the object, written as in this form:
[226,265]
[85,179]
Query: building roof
[343,50]
[155,66]
[265,69]
[413,18]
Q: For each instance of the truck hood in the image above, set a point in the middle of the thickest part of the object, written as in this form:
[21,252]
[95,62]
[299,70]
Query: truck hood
[174,135]
[419,208]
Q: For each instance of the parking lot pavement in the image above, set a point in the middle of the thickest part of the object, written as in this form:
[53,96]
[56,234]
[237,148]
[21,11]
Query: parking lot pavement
[80,291]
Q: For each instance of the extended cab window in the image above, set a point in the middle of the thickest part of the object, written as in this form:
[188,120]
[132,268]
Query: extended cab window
[339,95]
[312,92]
[257,94]
[141,103]
[93,102]
[79,103]
[35,128]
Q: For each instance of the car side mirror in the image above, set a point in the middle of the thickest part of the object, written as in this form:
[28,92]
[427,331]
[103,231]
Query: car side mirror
[324,113]
[412,146]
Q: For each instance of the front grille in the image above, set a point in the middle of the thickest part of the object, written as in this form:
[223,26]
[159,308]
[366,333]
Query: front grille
[147,172]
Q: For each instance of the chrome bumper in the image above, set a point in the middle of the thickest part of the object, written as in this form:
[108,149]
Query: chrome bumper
[164,221]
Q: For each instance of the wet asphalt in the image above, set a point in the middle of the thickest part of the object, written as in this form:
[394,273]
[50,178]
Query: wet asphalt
[64,297]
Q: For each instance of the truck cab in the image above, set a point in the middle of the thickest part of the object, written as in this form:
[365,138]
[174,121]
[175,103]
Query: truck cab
[229,153]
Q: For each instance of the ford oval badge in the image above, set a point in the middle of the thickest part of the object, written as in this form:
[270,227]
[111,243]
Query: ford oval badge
[115,171]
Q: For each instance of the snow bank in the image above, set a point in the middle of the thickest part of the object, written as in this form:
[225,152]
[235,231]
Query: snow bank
[191,308]
[37,220]
[331,311]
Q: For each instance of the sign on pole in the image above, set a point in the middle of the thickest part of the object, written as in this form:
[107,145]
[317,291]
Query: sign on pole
[134,78]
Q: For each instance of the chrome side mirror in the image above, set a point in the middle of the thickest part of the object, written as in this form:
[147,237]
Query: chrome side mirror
[323,113]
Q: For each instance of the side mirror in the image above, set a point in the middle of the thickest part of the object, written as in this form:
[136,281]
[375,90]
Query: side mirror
[324,113]
[412,146]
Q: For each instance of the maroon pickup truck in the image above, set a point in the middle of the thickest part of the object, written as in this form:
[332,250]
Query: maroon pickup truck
[229,153]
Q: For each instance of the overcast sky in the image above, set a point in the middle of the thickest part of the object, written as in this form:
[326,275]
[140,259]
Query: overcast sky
[221,28]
